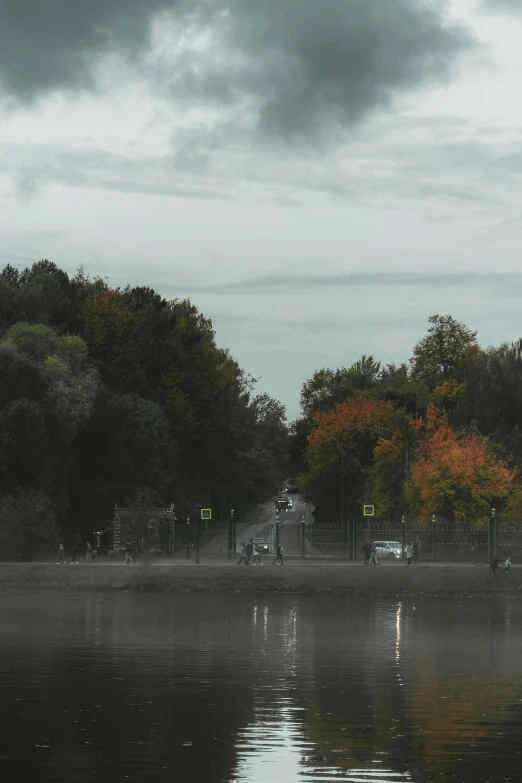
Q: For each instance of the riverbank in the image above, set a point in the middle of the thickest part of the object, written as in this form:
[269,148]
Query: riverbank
[337,579]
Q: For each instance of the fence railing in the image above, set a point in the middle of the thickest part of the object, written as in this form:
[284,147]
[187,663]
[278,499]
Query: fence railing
[436,540]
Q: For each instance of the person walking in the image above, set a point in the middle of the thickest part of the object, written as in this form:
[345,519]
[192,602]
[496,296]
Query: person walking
[507,564]
[409,553]
[74,559]
[61,555]
[373,558]
[249,551]
[242,555]
[257,558]
[88,554]
[367,550]
[280,555]
[129,555]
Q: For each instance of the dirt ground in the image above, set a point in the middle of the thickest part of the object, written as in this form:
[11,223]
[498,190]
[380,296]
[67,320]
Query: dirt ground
[462,580]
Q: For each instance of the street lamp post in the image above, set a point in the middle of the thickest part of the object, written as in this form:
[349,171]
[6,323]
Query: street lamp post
[233,525]
[188,538]
[492,536]
[342,493]
[197,542]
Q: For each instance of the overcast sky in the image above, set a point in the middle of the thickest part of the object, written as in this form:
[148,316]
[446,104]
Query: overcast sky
[318,176]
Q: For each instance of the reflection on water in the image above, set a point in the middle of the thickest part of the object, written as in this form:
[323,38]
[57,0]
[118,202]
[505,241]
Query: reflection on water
[123,687]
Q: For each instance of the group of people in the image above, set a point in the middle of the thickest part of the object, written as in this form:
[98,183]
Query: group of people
[90,553]
[494,565]
[370,552]
[252,550]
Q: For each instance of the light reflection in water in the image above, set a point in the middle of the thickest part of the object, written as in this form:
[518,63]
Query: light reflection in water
[214,688]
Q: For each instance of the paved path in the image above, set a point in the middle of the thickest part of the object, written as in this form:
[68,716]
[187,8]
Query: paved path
[267,561]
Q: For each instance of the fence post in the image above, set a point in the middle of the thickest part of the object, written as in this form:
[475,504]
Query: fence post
[403,526]
[197,541]
[433,537]
[353,539]
[492,536]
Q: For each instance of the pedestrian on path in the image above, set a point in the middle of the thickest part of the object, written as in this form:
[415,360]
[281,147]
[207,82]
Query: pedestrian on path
[88,554]
[74,559]
[374,559]
[507,564]
[409,553]
[257,559]
[249,551]
[242,555]
[129,556]
[61,555]
[280,555]
[367,550]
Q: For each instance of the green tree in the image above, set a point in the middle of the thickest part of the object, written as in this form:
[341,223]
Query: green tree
[28,525]
[444,353]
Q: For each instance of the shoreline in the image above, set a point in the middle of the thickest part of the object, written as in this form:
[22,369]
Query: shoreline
[421,579]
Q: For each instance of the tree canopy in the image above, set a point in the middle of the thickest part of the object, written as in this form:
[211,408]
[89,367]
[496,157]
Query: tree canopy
[107,393]
[450,443]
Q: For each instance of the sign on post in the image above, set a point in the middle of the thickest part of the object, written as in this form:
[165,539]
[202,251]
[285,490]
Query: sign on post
[206,513]
[369,511]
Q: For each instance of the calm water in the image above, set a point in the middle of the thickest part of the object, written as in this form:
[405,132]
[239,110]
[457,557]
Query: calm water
[123,687]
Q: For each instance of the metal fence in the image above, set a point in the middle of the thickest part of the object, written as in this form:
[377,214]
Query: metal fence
[436,540]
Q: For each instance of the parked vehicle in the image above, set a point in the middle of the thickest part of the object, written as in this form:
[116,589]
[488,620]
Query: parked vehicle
[262,546]
[390,550]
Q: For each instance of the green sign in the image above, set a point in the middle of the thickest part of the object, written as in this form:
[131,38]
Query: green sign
[369,511]
[206,513]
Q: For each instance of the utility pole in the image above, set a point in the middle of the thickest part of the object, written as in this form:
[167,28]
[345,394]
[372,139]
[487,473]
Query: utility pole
[342,492]
[406,467]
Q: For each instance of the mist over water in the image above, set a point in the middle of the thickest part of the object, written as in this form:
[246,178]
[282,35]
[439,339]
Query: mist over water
[126,687]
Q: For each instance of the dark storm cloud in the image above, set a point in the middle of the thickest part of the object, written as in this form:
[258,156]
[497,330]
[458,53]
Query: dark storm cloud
[285,284]
[300,69]
[311,67]
[52,44]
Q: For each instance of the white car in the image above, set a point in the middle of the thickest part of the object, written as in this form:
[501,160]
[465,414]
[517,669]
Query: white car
[391,550]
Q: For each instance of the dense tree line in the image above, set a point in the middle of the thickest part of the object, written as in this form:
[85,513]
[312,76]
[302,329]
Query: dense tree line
[441,434]
[110,394]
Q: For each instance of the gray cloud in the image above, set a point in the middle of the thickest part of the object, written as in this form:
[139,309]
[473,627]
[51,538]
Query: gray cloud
[48,45]
[300,71]
[311,68]
[284,284]
[503,5]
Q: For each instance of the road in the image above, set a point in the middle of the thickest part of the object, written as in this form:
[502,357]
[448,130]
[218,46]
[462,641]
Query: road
[264,527]
[179,562]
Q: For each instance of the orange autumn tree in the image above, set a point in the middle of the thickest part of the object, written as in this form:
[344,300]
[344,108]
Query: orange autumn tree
[455,475]
[342,443]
